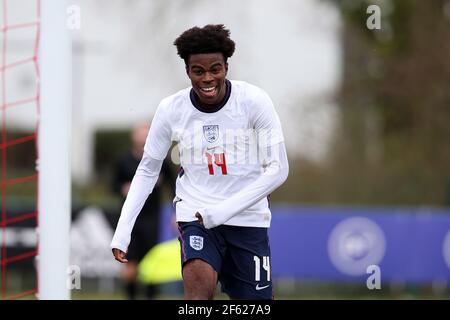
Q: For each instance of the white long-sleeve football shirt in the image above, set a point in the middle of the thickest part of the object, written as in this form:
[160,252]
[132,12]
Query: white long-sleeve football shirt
[230,160]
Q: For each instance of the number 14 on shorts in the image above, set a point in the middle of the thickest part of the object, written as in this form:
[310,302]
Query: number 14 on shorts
[265,265]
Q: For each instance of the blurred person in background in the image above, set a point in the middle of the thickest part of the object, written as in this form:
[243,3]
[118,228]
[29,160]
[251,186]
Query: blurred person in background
[145,232]
[232,130]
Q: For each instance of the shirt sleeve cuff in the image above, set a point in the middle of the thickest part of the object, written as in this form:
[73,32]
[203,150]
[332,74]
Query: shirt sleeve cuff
[118,246]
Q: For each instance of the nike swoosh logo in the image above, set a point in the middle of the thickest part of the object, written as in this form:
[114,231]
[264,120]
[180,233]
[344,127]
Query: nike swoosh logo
[260,288]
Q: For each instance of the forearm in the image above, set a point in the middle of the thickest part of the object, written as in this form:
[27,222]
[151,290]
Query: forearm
[274,175]
[142,185]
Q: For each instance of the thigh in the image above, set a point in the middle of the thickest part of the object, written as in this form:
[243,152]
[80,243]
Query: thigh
[246,267]
[199,280]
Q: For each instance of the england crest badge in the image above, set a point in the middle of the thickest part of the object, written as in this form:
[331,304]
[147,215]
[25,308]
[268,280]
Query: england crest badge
[196,242]
[211,133]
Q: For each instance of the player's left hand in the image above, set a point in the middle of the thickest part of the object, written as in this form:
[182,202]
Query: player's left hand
[199,217]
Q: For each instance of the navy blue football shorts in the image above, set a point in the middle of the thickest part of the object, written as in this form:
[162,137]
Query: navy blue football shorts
[240,255]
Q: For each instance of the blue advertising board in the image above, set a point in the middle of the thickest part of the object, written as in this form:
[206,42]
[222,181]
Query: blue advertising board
[340,243]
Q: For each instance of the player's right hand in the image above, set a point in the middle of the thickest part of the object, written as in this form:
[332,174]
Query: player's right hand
[119,255]
[199,217]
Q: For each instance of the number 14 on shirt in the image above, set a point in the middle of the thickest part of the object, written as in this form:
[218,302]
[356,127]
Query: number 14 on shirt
[219,160]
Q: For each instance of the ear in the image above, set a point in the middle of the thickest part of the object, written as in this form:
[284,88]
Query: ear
[226,67]
[187,70]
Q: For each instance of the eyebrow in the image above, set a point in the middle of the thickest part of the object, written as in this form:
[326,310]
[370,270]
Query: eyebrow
[216,64]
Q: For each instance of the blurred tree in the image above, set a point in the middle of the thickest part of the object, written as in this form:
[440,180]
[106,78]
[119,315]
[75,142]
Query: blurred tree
[395,103]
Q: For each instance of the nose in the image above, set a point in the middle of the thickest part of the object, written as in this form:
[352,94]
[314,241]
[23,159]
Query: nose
[208,77]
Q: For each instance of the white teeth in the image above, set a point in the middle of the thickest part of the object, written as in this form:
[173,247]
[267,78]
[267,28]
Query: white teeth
[208,89]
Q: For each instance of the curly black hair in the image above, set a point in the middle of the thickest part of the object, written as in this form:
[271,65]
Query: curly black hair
[211,38]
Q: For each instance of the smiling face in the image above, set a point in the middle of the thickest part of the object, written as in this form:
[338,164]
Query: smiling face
[207,72]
